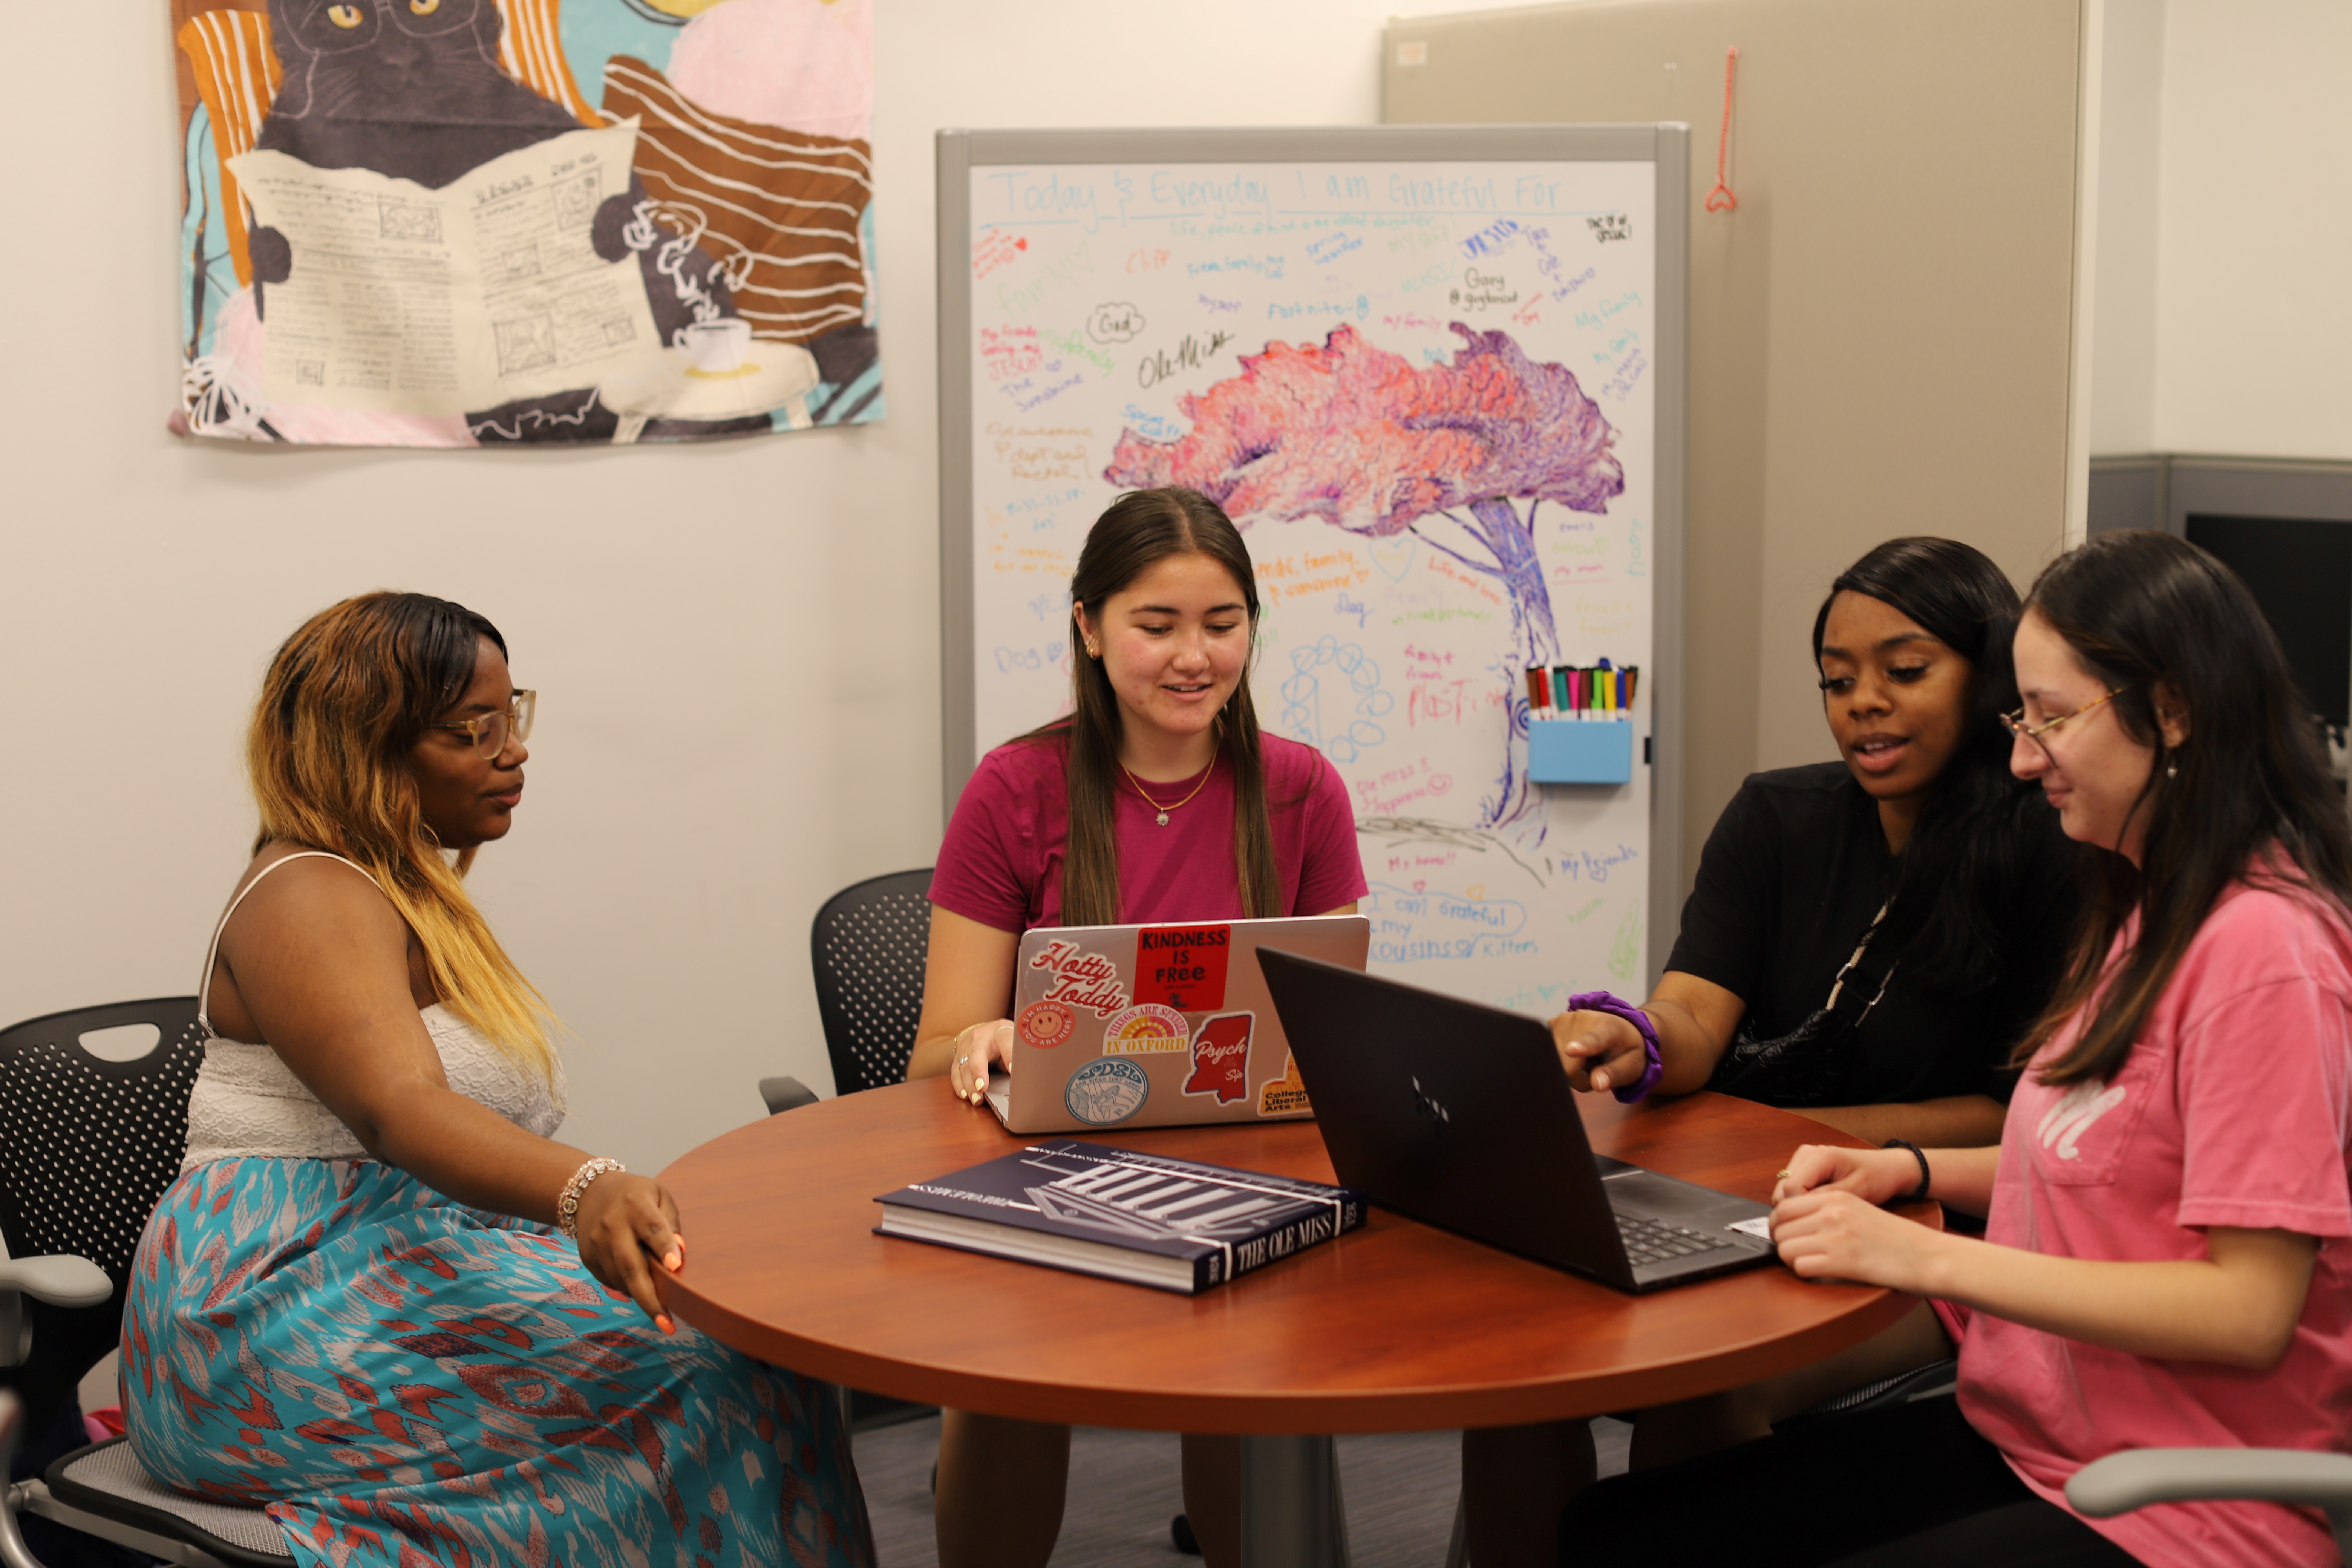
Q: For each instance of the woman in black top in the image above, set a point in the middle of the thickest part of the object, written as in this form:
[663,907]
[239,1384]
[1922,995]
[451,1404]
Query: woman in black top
[1865,941]
[1921,820]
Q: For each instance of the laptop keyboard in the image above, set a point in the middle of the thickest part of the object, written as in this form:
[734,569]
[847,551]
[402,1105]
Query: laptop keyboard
[1654,1241]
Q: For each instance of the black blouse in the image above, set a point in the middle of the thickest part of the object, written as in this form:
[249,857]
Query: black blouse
[1791,876]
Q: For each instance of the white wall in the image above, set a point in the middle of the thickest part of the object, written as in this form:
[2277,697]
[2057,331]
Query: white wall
[737,643]
[2222,325]
[2122,416]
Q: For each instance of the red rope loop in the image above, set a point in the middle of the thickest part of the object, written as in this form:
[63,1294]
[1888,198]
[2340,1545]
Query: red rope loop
[1720,199]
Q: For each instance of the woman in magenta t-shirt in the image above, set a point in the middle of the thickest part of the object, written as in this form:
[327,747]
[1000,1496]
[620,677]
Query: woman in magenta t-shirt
[2166,1262]
[1157,799]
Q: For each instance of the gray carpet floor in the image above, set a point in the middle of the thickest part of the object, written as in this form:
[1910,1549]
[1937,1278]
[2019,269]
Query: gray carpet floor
[1400,1490]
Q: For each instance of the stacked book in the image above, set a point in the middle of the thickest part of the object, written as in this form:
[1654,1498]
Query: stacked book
[1147,1219]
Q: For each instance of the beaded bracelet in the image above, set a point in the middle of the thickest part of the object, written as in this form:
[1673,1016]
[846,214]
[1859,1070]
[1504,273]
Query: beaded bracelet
[567,1207]
[1655,1068]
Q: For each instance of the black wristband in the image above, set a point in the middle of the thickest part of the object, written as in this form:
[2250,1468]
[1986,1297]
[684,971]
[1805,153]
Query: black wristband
[1920,1192]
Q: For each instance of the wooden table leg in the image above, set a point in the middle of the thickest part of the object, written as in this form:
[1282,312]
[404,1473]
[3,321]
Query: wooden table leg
[1292,1515]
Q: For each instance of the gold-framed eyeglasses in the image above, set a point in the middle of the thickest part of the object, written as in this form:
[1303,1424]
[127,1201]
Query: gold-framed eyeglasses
[2016,725]
[490,731]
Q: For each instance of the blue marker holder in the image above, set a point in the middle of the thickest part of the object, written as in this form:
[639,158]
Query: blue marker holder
[1580,751]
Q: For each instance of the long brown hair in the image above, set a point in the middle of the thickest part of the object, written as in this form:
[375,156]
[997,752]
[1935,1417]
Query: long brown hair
[345,699]
[1141,528]
[2247,798]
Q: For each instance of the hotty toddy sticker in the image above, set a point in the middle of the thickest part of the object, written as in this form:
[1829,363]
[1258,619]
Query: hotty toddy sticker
[1183,966]
[1081,979]
[1146,1030]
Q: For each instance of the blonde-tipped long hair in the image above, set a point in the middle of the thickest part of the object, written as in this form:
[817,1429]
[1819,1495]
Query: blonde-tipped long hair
[345,699]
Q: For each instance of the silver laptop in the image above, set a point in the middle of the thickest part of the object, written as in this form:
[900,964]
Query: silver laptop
[1459,1115]
[1157,1026]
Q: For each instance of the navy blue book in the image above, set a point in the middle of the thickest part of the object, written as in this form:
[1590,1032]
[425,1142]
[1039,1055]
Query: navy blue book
[1175,1225]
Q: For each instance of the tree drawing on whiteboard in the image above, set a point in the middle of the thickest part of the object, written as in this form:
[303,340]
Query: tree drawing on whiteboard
[1372,443]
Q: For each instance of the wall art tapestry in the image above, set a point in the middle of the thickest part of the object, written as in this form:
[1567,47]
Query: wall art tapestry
[461,223]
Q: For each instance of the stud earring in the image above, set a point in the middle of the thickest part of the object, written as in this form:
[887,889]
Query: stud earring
[2172,770]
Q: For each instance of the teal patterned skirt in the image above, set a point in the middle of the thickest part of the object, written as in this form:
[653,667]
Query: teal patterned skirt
[402,1380]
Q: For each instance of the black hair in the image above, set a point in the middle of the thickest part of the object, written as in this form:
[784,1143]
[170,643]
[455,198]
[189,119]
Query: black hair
[1971,853]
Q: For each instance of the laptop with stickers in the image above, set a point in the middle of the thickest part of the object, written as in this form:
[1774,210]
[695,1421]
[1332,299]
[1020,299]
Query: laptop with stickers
[1458,1115]
[1157,1026]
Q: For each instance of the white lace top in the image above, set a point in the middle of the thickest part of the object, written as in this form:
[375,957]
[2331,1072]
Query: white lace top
[249,1103]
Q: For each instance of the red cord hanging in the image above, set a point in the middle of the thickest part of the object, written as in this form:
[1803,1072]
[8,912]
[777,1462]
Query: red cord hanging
[1720,199]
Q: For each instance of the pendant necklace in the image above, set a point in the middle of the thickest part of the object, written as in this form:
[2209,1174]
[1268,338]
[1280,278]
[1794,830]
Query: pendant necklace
[1164,810]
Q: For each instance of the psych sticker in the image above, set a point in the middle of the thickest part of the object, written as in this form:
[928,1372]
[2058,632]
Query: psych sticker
[1221,1057]
[1183,966]
[1287,1095]
[1146,1030]
[1107,1090]
[1044,1024]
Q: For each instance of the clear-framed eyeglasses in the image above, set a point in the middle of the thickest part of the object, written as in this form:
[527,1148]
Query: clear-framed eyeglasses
[490,731]
[2016,725]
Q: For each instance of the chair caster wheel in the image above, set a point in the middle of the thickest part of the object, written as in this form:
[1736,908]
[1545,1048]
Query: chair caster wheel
[1180,1530]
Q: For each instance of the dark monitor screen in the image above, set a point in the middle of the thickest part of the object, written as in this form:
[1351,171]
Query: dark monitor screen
[2301,574]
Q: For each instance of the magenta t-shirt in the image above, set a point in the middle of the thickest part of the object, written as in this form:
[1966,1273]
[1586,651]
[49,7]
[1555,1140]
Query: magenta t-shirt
[1001,862]
[2232,1109]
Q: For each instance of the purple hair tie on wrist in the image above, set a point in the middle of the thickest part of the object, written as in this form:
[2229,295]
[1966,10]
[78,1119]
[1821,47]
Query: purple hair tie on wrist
[1604,1002]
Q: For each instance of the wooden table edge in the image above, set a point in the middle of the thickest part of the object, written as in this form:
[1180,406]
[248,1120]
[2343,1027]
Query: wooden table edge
[1441,1407]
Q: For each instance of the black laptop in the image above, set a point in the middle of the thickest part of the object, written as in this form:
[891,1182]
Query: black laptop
[1459,1116]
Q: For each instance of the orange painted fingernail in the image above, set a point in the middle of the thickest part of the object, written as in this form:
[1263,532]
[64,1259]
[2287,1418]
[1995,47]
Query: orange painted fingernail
[662,1321]
[676,1260]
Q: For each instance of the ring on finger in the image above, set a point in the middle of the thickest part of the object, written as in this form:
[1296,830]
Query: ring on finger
[1780,1176]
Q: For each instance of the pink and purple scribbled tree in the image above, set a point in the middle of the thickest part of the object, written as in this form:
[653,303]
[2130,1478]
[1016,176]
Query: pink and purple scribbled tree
[1374,444]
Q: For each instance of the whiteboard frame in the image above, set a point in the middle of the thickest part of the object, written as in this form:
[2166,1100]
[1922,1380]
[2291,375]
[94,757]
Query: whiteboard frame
[1664,146]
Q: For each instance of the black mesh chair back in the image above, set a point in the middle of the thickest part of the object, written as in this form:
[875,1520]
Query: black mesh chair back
[86,1148]
[868,948]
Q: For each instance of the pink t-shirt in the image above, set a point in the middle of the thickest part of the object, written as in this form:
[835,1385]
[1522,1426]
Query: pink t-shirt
[2232,1109]
[1001,862]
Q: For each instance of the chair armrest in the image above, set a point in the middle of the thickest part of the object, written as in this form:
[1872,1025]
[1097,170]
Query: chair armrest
[2135,1479]
[61,1279]
[784,1094]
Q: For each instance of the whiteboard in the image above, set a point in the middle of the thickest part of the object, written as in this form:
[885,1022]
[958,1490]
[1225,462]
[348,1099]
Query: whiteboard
[1436,378]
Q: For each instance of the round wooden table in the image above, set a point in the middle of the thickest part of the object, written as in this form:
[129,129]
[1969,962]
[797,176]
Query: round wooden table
[1395,1327]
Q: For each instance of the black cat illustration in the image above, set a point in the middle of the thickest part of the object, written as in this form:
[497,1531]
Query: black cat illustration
[412,90]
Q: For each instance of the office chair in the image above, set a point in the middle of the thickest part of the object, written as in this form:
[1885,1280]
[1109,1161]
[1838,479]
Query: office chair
[88,1146]
[867,948]
[2138,1477]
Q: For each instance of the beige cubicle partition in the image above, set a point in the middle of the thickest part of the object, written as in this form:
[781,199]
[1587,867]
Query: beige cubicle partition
[1880,333]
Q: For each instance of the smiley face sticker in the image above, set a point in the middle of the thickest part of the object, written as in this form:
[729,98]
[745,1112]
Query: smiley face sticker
[1044,1024]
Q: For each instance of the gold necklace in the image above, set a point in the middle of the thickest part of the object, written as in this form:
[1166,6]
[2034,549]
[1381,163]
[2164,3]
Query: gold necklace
[1164,810]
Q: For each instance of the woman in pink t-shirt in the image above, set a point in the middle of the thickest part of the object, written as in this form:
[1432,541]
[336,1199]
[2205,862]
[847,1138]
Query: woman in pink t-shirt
[1158,798]
[2167,1257]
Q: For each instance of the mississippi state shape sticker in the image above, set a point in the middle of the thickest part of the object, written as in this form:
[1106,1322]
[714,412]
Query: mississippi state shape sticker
[1221,1057]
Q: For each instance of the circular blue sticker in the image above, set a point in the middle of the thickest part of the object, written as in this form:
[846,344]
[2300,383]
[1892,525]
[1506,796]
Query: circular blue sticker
[1105,1091]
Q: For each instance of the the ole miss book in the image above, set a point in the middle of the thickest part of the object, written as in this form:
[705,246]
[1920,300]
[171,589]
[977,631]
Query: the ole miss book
[1176,1225]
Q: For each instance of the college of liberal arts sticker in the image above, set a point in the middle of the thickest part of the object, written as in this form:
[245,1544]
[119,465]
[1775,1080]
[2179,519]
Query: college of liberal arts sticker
[1287,1095]
[1044,1024]
[1145,1030]
[1221,1057]
[1107,1091]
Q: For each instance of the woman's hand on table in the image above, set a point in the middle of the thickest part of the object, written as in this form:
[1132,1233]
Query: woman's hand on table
[627,1226]
[1599,1050]
[1874,1175]
[1828,1221]
[975,1048]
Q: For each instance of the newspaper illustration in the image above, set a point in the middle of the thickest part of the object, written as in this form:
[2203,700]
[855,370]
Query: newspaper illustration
[407,299]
